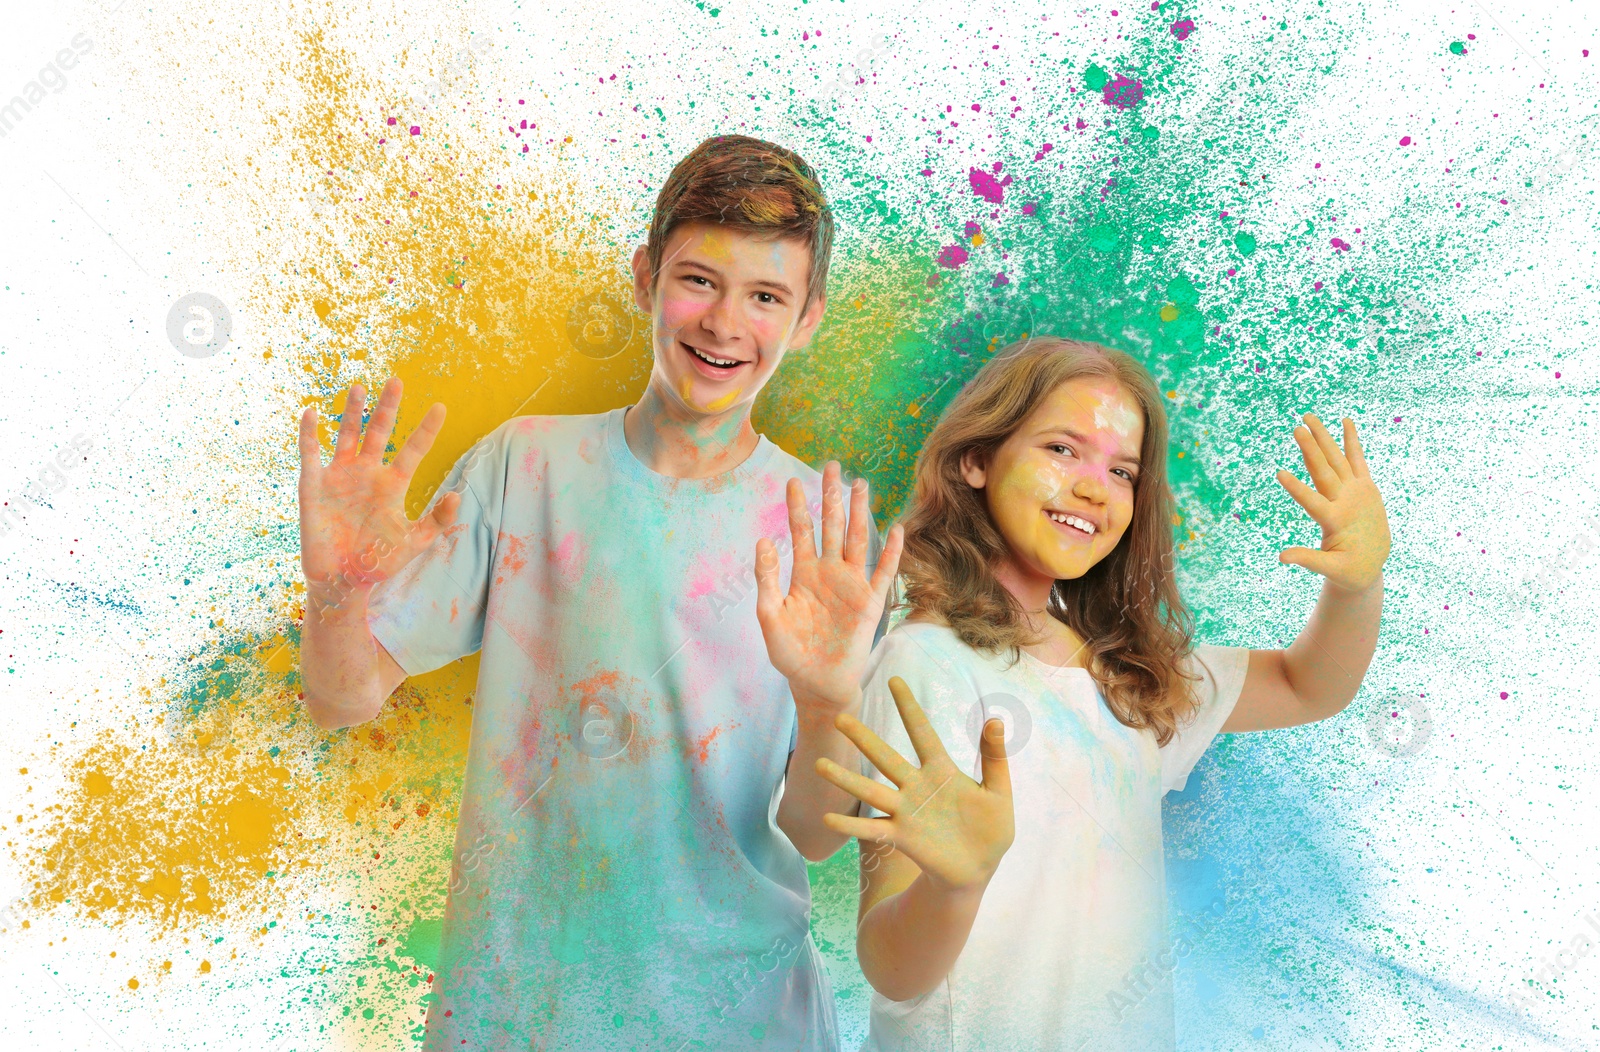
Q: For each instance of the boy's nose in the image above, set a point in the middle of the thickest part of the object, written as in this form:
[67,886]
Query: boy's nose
[721,320]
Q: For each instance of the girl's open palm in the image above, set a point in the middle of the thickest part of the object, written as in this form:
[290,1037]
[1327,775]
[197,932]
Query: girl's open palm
[953,828]
[820,635]
[1345,503]
[353,526]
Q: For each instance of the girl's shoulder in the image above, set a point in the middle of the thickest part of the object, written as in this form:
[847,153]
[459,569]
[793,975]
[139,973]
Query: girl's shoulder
[930,652]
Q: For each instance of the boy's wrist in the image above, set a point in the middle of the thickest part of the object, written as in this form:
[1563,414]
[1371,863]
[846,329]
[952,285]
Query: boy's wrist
[816,712]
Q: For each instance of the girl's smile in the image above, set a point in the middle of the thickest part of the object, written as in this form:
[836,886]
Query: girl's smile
[1060,488]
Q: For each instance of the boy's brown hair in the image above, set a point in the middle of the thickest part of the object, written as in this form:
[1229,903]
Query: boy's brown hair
[748,184]
[1126,607]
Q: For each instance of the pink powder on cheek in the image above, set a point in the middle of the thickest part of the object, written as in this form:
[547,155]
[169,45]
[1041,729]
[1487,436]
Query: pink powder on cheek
[677,313]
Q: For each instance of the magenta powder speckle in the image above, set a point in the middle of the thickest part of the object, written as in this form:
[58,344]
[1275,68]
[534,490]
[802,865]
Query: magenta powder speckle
[952,256]
[987,186]
[1124,93]
[1182,29]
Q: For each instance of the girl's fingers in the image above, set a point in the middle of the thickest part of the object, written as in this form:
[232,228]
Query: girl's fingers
[832,510]
[873,829]
[874,794]
[344,447]
[856,533]
[895,767]
[805,542]
[381,426]
[1353,452]
[996,767]
[1316,505]
[923,737]
[1312,559]
[1330,449]
[421,440]
[1322,475]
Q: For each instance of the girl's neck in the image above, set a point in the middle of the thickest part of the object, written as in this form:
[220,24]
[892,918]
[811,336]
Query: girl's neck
[1055,643]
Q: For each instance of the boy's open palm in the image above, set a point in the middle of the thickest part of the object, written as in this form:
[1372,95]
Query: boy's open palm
[353,525]
[953,828]
[820,635]
[1345,503]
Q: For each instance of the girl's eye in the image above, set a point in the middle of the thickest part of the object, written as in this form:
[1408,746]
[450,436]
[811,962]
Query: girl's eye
[1127,474]
[1056,447]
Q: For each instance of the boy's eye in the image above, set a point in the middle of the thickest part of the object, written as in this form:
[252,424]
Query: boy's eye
[766,297]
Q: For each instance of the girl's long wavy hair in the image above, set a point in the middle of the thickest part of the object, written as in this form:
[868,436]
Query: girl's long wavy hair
[1126,607]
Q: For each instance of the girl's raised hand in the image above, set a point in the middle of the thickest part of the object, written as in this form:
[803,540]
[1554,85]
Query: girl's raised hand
[820,634]
[354,531]
[1345,503]
[955,829]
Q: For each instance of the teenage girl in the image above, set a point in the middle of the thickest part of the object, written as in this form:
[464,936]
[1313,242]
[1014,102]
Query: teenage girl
[1046,680]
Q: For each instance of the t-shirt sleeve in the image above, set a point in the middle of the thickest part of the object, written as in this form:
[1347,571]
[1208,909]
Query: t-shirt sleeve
[432,612]
[944,693]
[1222,671]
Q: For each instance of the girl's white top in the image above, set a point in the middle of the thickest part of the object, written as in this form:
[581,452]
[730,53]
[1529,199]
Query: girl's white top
[1070,949]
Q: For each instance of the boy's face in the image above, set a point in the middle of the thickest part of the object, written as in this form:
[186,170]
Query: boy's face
[1071,462]
[725,308]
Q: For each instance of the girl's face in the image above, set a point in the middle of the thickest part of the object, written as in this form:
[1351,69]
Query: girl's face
[1060,488]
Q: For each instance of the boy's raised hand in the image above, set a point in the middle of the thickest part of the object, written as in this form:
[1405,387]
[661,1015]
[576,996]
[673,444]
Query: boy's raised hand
[1346,504]
[353,527]
[820,634]
[955,829]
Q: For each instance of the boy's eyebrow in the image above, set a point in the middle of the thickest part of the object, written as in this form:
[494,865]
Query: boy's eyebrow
[1078,436]
[691,264]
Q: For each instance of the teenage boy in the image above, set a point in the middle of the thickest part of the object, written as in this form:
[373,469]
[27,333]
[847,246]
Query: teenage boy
[641,793]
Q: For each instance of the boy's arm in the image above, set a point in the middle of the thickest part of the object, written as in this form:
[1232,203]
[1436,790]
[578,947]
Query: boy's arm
[345,673]
[1321,671]
[354,533]
[807,796]
[819,637]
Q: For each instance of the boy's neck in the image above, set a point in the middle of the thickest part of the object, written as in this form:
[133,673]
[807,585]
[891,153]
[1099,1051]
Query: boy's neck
[671,441]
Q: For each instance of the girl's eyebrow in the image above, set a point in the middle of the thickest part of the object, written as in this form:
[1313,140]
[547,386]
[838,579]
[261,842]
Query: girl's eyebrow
[1080,437]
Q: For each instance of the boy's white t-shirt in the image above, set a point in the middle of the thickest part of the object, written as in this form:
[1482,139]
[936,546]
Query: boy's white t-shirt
[1069,950]
[619,880]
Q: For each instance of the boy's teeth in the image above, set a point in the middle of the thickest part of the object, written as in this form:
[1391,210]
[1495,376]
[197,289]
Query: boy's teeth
[714,361]
[1072,520]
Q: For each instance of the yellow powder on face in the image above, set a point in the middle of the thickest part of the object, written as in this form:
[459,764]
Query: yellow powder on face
[717,246]
[716,405]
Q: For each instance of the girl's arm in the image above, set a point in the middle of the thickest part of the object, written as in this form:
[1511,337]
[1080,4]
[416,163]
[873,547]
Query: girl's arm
[1319,674]
[924,866]
[910,928]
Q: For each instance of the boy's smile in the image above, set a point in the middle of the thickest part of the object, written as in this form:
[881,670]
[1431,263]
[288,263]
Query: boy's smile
[725,307]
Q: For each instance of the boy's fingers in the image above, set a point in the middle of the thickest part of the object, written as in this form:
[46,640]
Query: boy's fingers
[381,426]
[344,447]
[856,532]
[923,737]
[888,562]
[1322,476]
[416,447]
[996,765]
[805,543]
[875,794]
[1330,449]
[871,829]
[832,510]
[769,594]
[895,767]
[1353,451]
[310,448]
[444,512]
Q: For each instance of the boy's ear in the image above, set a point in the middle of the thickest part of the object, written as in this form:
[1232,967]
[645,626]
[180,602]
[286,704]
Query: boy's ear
[973,469]
[643,286]
[809,320]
